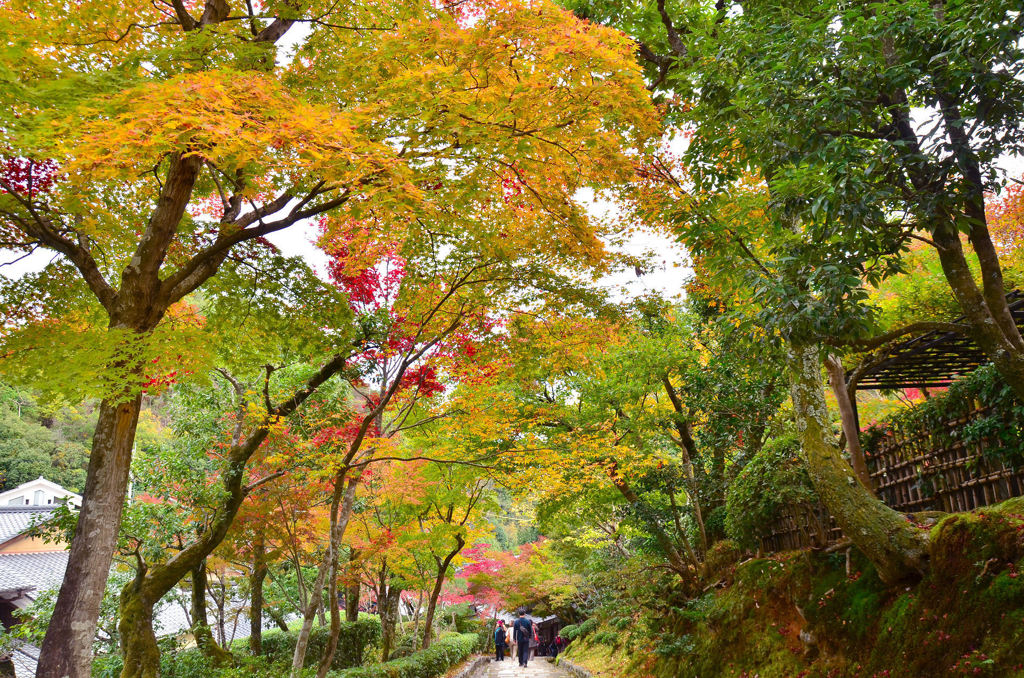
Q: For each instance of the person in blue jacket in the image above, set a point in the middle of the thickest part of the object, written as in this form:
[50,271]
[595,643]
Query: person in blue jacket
[524,632]
[499,641]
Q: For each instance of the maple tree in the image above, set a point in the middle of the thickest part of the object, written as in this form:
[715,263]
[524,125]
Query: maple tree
[532,576]
[422,311]
[248,431]
[1005,215]
[655,404]
[405,531]
[145,146]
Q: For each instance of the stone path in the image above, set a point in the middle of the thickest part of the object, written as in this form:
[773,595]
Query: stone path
[537,668]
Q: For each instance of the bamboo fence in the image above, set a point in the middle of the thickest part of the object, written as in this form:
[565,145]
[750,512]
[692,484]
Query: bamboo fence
[922,470]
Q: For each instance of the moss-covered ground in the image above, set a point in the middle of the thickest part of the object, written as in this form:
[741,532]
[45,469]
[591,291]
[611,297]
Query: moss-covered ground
[818,615]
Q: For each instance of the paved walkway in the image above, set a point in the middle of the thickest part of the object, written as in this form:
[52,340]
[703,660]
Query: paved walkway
[538,668]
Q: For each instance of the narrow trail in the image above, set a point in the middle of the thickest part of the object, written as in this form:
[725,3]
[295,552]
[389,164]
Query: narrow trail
[537,668]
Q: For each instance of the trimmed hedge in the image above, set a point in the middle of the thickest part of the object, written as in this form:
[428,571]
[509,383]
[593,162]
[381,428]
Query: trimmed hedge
[355,637]
[448,651]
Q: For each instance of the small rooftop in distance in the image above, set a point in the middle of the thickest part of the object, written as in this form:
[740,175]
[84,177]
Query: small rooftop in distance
[39,492]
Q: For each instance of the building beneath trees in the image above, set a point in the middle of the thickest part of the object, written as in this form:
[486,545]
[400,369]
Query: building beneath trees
[29,565]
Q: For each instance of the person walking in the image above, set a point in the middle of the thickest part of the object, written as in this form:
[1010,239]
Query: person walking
[510,640]
[524,634]
[499,641]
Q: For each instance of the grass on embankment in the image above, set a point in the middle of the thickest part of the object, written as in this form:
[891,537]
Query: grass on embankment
[803,615]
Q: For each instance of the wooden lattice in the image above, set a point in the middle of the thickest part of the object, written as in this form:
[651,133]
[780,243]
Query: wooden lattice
[922,471]
[933,359]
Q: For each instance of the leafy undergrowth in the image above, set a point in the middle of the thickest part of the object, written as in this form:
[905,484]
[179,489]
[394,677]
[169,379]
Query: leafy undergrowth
[600,659]
[813,615]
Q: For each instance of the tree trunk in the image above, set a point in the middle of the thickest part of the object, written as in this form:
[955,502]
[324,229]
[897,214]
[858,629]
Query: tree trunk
[988,314]
[898,550]
[200,622]
[151,584]
[221,601]
[837,379]
[256,579]
[675,558]
[316,594]
[416,614]
[138,307]
[138,640]
[67,648]
[688,447]
[388,618]
[278,620]
[7,667]
[352,591]
[309,614]
[435,593]
[340,514]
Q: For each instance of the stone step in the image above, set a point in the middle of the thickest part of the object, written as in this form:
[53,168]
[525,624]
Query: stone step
[537,668]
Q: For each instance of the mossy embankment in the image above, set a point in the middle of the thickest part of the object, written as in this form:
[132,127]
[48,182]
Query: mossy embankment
[807,614]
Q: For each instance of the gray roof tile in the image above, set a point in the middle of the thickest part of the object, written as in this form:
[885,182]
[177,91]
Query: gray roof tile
[25,659]
[35,571]
[17,519]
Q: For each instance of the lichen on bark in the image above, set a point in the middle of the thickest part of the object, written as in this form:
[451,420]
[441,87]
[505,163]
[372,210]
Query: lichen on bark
[897,548]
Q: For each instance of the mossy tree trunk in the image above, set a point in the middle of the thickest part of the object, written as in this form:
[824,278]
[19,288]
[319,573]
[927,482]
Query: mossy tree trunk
[388,595]
[352,590]
[256,579]
[138,640]
[898,550]
[991,323]
[200,622]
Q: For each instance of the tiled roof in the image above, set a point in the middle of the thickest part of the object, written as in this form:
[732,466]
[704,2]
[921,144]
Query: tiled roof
[35,571]
[25,659]
[15,520]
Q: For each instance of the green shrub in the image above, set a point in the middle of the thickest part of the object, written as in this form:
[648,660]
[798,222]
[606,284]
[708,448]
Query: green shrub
[355,638]
[107,666]
[574,631]
[447,651]
[406,644]
[776,478]
[714,524]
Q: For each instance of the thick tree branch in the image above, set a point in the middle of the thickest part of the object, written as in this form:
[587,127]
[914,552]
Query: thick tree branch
[41,228]
[163,223]
[205,263]
[913,328]
[675,41]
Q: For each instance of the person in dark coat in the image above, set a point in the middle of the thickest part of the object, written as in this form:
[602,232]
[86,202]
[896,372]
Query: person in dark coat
[523,628]
[499,641]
